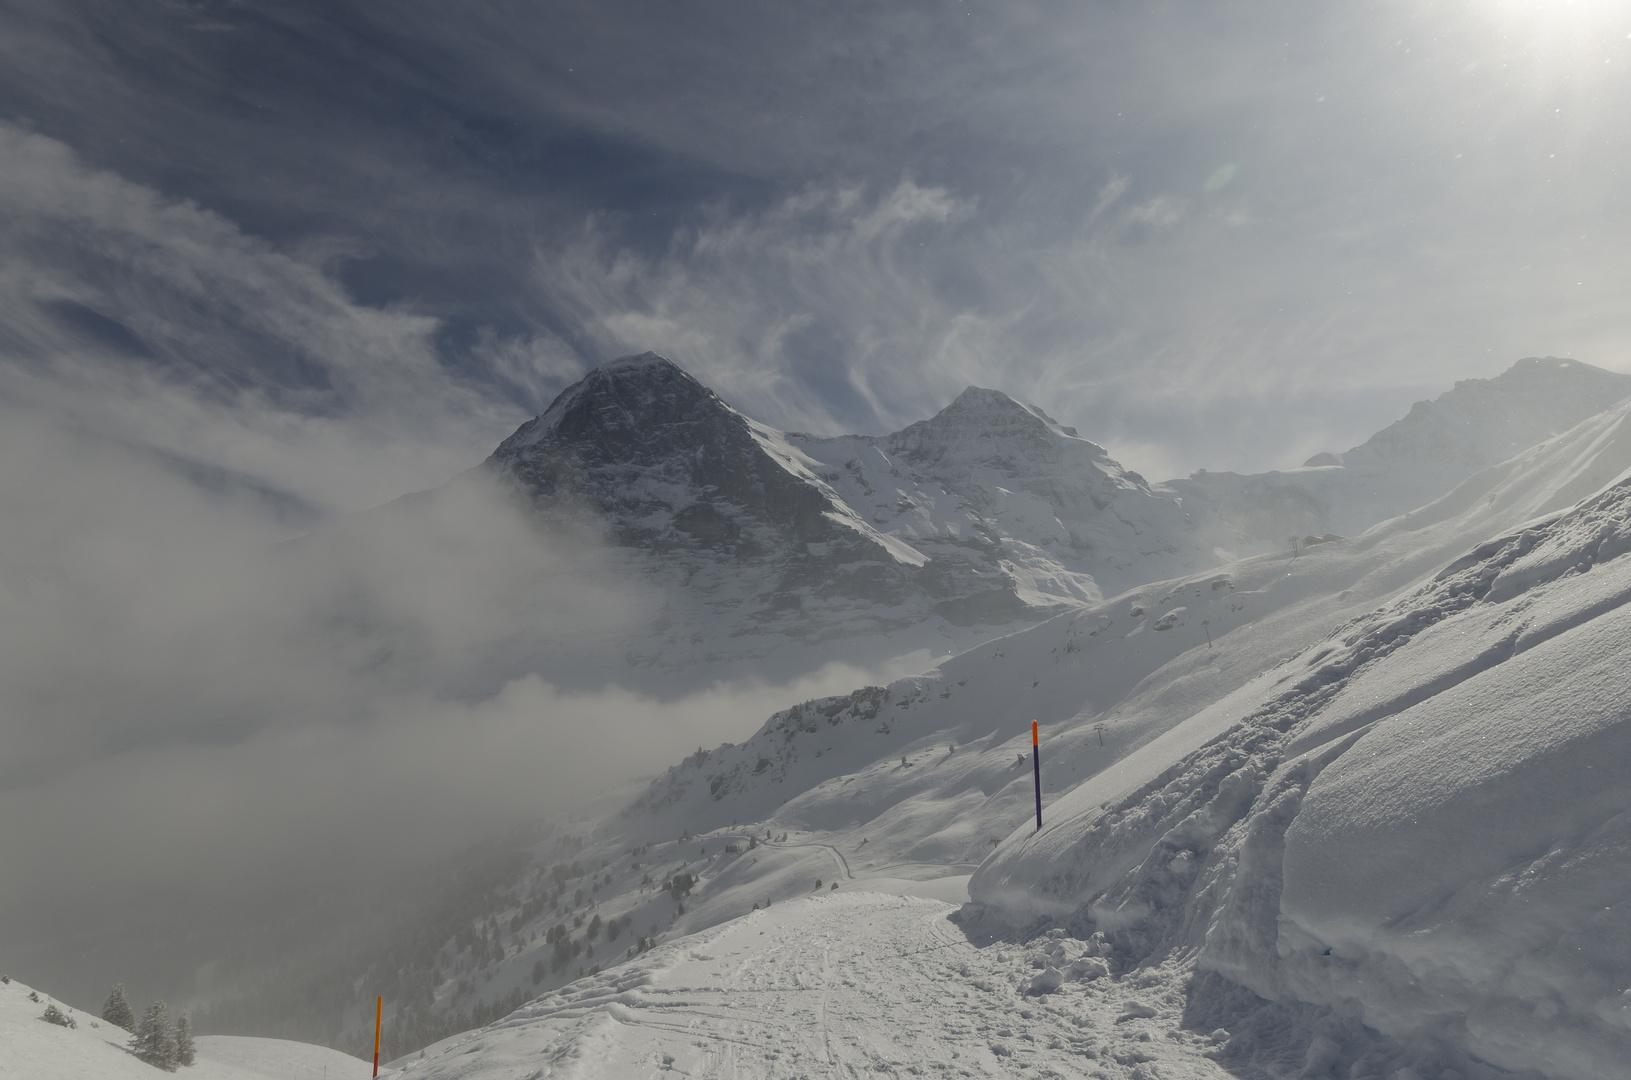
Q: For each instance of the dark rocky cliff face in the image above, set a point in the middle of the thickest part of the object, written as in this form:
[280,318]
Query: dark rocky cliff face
[705,509]
[665,459]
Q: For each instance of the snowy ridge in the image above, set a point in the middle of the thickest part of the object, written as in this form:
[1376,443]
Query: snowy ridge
[1103,679]
[1476,424]
[991,476]
[1482,421]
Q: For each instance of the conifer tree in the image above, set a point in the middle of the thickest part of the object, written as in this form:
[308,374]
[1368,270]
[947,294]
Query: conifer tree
[155,1041]
[186,1052]
[117,1011]
[54,1015]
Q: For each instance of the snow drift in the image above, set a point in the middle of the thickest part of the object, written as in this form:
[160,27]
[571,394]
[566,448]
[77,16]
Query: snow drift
[1421,824]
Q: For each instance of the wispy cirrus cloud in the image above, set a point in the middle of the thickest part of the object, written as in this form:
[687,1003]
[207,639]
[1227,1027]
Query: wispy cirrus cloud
[151,320]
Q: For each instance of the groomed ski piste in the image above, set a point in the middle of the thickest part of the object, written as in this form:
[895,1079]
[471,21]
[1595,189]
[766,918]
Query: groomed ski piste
[840,985]
[1378,827]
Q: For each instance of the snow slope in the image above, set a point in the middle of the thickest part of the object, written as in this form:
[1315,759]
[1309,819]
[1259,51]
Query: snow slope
[31,1049]
[1418,825]
[860,984]
[1103,680]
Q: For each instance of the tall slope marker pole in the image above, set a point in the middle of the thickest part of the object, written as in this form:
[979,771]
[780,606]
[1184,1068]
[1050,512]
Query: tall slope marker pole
[1036,769]
[379,1014]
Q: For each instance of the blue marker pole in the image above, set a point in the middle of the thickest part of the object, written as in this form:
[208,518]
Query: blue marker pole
[1036,769]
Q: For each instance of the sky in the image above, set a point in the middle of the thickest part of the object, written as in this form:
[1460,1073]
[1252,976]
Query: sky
[266,266]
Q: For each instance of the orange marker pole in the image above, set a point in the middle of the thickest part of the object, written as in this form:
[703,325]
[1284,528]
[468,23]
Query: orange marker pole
[1036,768]
[379,1014]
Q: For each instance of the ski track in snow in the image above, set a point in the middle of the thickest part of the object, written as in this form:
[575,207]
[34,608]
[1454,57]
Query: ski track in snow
[850,985]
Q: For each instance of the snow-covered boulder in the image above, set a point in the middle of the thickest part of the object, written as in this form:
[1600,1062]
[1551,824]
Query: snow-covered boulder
[1046,981]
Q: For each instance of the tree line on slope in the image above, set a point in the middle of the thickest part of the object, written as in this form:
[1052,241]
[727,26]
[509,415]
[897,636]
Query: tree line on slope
[157,1040]
[432,951]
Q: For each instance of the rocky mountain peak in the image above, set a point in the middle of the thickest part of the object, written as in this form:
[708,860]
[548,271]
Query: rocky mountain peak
[994,412]
[633,410]
[986,430]
[644,443]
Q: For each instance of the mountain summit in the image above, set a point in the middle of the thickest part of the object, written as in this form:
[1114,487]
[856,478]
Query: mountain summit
[945,532]
[1483,421]
[671,464]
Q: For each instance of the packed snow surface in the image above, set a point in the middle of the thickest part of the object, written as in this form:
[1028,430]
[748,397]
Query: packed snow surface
[841,984]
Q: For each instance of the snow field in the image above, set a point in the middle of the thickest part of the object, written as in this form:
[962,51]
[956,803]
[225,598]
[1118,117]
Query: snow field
[1241,847]
[238,1055]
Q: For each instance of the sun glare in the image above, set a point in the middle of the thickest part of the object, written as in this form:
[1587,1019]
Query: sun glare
[1586,32]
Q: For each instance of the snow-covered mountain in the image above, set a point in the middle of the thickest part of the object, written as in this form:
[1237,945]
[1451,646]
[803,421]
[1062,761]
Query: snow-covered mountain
[1412,461]
[1106,678]
[1356,812]
[763,542]
[772,552]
